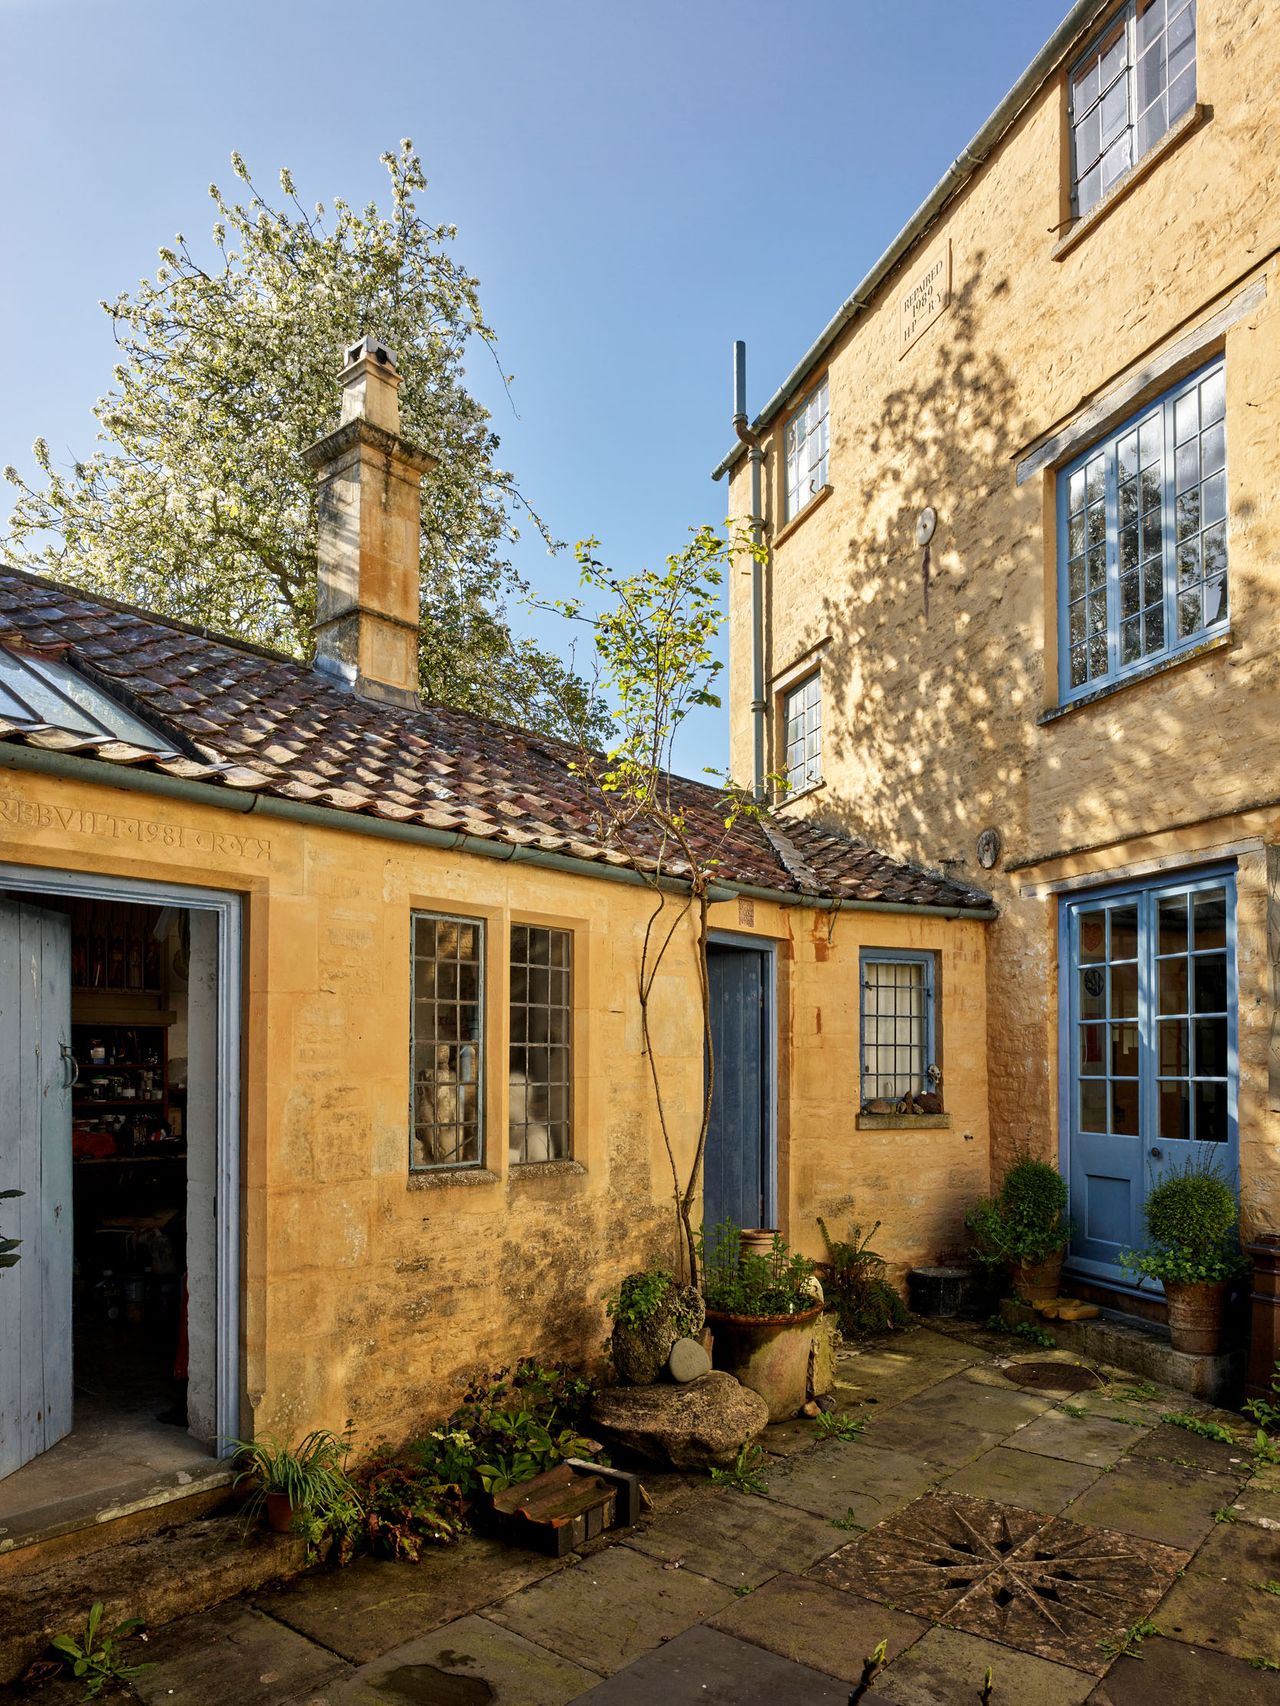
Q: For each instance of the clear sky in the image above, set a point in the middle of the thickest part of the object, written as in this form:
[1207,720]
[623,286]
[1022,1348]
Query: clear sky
[635,186]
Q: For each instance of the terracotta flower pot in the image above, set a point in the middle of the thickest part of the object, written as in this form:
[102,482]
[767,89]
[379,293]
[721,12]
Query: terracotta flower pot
[280,1513]
[1036,1282]
[1196,1315]
[756,1240]
[768,1353]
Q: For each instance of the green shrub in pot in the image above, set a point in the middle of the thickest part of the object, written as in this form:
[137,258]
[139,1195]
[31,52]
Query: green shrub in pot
[1024,1226]
[1192,1250]
[737,1282]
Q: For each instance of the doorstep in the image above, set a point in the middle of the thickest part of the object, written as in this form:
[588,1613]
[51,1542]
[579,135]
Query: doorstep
[87,1522]
[1142,1348]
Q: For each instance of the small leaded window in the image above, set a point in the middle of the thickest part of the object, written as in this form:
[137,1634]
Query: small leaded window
[802,733]
[1143,537]
[447,1041]
[897,1025]
[805,444]
[541,1014]
[1138,77]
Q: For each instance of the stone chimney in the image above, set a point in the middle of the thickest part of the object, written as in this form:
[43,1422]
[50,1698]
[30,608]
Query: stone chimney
[367,610]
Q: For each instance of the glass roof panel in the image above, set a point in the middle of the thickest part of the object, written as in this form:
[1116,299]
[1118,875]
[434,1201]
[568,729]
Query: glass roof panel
[41,692]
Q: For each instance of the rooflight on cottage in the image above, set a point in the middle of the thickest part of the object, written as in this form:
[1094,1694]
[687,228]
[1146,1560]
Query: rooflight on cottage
[39,694]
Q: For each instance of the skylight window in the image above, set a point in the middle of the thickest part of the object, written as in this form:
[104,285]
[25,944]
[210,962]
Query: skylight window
[39,695]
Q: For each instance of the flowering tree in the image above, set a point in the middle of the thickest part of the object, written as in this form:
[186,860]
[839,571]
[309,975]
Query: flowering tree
[654,636]
[196,503]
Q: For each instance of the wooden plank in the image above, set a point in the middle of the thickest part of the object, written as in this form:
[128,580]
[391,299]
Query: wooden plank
[11,1218]
[56,1250]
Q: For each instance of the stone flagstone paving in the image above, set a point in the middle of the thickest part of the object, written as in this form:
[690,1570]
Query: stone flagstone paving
[973,1524]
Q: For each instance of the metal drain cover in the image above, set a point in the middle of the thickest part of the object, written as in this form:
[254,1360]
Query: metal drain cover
[1053,1376]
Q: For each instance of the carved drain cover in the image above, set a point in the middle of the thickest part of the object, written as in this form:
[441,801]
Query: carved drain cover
[1053,1376]
[1055,1588]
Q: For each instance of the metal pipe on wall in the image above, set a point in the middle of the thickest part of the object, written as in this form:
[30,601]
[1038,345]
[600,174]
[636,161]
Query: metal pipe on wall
[756,522]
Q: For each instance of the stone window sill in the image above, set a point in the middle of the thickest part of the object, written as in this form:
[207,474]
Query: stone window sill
[794,794]
[547,1169]
[903,1122]
[798,520]
[442,1178]
[1080,228]
[1218,643]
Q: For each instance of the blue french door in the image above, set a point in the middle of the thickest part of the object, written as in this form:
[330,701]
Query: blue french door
[1150,1069]
[735,1177]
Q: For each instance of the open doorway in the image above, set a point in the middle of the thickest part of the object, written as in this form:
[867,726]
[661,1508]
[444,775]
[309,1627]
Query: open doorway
[114,1014]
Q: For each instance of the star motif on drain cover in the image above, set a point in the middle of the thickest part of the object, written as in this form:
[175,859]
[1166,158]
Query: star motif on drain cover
[1052,1587]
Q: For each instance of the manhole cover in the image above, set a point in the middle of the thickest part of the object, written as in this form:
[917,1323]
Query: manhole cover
[1052,1587]
[1052,1376]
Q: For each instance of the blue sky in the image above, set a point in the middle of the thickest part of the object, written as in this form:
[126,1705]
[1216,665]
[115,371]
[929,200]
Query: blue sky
[635,187]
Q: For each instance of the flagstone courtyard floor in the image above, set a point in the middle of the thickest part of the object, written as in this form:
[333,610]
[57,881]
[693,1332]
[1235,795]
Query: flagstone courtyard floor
[974,1524]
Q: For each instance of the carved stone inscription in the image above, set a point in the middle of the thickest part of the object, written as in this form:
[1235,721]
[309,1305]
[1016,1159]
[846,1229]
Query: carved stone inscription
[927,296]
[116,828]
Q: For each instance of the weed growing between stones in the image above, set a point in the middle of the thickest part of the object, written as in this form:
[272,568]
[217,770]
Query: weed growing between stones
[1129,1645]
[1193,1425]
[92,1655]
[745,1475]
[830,1425]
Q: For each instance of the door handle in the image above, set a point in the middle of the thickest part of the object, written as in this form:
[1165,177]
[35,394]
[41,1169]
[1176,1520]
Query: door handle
[1158,1153]
[68,1059]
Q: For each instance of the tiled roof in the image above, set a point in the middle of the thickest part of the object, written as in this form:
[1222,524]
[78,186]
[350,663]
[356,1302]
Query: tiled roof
[248,719]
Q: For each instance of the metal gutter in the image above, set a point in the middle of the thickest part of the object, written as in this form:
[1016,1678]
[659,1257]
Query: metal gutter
[957,174]
[447,840]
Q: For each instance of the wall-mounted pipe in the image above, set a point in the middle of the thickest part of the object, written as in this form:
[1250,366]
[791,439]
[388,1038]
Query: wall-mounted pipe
[755,520]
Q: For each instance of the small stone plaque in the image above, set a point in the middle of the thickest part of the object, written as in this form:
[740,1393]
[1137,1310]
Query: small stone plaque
[927,295]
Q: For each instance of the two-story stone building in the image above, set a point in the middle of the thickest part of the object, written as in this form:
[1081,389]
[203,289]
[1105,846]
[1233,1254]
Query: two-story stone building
[1021,605]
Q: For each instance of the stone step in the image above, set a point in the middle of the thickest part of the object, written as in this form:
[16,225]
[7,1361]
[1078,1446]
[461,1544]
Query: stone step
[160,1576]
[1142,1348]
[86,1522]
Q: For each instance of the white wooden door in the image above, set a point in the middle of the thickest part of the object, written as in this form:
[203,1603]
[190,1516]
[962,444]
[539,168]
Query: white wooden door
[36,1072]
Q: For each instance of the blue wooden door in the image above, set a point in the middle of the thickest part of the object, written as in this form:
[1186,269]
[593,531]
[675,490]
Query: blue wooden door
[1150,1068]
[735,1182]
[35,1158]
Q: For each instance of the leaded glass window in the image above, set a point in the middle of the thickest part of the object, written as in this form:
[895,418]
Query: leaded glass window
[1134,82]
[897,1025]
[447,1041]
[802,733]
[805,442]
[541,1032]
[1143,537]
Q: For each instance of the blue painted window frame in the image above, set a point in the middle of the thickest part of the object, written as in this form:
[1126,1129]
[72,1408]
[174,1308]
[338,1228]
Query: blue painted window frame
[1071,905]
[897,956]
[1108,446]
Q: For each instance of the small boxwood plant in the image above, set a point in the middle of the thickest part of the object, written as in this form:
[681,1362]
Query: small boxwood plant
[1191,1220]
[1026,1221]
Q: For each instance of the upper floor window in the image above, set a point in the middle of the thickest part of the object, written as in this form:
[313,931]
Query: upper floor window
[805,443]
[1136,79]
[802,732]
[541,966]
[447,1041]
[1142,538]
[897,1025]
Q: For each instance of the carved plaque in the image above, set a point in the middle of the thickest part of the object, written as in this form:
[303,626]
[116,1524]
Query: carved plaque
[927,295]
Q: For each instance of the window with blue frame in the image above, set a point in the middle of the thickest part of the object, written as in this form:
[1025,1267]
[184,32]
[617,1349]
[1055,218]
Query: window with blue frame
[897,1021]
[1142,538]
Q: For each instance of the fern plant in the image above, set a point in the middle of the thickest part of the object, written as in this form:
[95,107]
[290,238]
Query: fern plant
[864,1299]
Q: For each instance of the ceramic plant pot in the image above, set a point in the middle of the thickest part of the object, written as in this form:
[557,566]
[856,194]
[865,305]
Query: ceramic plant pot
[768,1353]
[280,1513]
[756,1240]
[1196,1315]
[1036,1282]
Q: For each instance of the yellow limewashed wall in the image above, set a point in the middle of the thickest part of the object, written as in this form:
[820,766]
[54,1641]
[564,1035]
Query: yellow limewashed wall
[373,1294]
[935,729]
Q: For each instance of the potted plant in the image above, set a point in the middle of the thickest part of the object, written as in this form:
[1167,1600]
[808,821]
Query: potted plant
[1192,1250]
[761,1309]
[298,1483]
[1024,1227]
